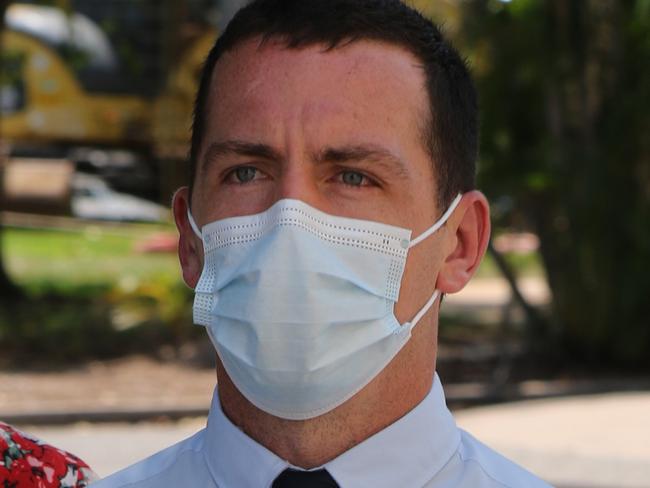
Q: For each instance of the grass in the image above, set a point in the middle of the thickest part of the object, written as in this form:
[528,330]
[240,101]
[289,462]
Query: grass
[94,257]
[524,265]
[98,257]
[92,294]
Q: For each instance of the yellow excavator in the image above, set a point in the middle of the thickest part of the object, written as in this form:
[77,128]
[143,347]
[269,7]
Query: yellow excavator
[64,106]
[65,100]
[62,83]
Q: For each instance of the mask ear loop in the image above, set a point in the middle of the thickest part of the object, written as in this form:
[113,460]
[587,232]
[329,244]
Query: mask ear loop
[195,227]
[424,310]
[438,224]
[419,239]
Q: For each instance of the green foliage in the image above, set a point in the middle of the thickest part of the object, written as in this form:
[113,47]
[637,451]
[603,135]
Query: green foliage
[94,256]
[90,294]
[565,96]
[525,264]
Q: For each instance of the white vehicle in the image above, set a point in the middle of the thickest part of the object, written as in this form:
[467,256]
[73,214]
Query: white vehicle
[92,198]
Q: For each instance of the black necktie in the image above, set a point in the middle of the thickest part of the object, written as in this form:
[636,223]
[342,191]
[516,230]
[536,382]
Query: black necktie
[291,478]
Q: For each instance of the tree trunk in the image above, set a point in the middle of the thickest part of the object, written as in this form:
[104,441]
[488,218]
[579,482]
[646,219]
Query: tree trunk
[565,89]
[590,240]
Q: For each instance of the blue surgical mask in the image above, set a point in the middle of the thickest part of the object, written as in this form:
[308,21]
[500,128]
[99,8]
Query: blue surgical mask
[299,304]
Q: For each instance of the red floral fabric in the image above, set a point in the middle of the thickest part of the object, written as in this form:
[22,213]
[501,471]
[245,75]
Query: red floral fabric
[26,462]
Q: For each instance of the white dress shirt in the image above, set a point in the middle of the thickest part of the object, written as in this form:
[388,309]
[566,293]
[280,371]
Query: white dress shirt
[423,449]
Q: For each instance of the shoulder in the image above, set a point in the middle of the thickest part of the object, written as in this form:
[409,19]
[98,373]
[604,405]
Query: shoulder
[167,468]
[28,461]
[482,466]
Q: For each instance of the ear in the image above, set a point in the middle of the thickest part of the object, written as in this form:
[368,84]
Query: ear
[468,233]
[190,247]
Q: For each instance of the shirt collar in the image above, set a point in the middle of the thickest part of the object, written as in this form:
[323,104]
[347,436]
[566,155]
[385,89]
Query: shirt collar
[408,452]
[233,458]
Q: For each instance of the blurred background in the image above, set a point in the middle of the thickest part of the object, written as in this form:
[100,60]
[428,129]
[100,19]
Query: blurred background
[95,322]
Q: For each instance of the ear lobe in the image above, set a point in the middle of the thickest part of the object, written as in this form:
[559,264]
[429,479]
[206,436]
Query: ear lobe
[190,248]
[469,232]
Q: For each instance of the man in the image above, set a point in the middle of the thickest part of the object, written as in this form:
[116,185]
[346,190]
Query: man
[331,201]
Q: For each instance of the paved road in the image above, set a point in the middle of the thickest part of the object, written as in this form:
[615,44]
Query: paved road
[598,441]
[109,447]
[591,441]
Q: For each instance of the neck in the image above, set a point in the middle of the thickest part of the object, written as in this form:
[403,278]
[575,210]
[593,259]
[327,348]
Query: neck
[312,443]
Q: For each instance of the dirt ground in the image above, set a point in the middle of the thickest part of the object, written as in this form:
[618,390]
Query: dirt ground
[184,382]
[131,383]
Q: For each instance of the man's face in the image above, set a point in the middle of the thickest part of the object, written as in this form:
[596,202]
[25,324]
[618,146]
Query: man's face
[341,130]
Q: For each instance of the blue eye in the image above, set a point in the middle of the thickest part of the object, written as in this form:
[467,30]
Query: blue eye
[352,178]
[245,174]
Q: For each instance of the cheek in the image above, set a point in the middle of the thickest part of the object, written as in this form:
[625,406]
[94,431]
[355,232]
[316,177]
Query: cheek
[418,281]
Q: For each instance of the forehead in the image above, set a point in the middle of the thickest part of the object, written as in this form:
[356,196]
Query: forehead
[350,62]
[363,80]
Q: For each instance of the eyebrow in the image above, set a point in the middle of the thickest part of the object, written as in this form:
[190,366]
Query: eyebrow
[364,152]
[240,148]
[333,155]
